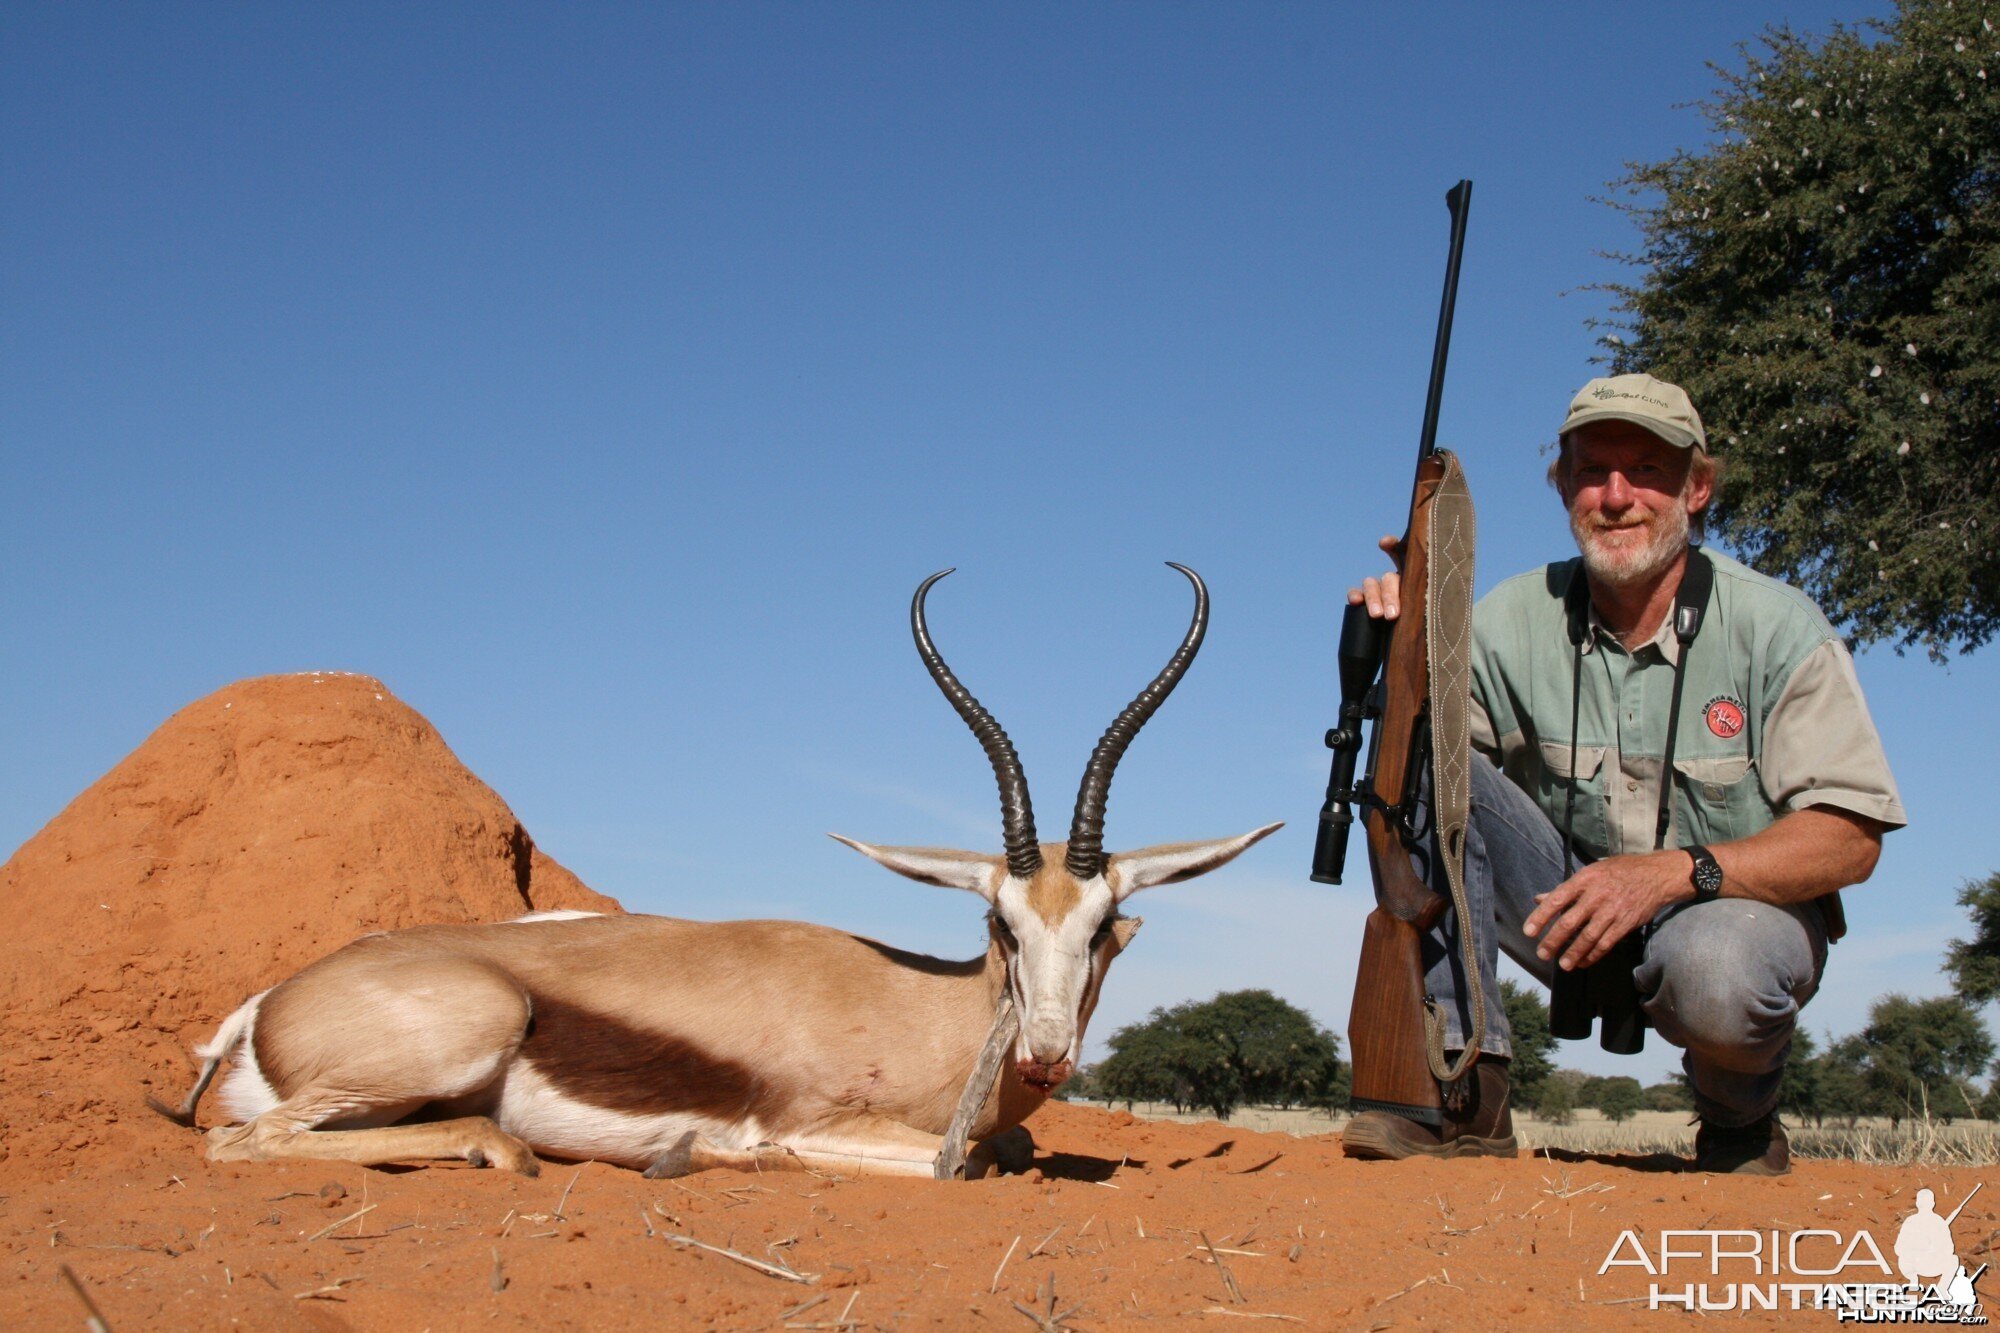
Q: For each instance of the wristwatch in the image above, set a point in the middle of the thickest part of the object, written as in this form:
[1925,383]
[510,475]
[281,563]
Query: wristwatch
[1707,875]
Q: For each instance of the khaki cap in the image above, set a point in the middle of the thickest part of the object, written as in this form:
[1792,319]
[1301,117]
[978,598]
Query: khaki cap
[1660,407]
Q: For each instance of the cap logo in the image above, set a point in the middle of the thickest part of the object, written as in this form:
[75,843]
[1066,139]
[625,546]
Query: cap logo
[1608,392]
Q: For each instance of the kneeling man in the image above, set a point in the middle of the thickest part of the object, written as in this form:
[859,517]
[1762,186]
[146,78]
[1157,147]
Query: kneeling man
[1711,793]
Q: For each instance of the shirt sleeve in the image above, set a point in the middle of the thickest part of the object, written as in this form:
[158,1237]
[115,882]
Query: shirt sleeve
[1821,746]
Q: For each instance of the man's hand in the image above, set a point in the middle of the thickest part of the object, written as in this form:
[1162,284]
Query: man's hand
[1603,902]
[1383,595]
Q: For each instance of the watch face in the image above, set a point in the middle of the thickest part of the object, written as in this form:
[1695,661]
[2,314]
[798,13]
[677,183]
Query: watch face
[1707,875]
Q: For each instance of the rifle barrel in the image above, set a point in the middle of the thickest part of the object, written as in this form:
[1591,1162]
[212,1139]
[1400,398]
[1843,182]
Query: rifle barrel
[1459,200]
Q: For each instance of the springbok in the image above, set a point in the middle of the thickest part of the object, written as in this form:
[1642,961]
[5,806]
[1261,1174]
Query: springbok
[676,1046]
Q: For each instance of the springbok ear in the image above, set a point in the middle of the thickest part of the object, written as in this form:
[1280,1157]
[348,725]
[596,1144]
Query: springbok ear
[1172,862]
[941,866]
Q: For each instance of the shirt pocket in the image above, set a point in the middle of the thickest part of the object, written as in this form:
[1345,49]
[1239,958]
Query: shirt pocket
[1559,779]
[1717,799]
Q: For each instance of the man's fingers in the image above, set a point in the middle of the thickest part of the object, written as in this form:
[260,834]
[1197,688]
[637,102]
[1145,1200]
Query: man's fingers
[1551,903]
[1590,944]
[1562,929]
[1383,596]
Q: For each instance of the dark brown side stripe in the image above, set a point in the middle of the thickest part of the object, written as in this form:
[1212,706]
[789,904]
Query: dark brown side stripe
[608,1063]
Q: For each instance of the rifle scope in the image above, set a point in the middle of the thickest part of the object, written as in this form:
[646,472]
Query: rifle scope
[1362,641]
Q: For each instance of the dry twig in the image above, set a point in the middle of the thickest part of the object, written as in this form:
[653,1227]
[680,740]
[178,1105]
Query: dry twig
[564,1201]
[1048,1319]
[332,1227]
[770,1270]
[1250,1314]
[995,1284]
[1228,1278]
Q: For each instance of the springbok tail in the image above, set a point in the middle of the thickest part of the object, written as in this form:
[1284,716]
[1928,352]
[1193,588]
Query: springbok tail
[212,1053]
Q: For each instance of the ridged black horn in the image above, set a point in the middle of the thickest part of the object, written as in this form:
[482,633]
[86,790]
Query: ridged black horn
[1085,858]
[1017,814]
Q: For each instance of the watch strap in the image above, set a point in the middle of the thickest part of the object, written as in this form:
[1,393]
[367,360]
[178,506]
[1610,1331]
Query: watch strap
[1706,875]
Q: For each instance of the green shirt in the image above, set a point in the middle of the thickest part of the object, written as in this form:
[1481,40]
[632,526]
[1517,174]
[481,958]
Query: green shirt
[1772,716]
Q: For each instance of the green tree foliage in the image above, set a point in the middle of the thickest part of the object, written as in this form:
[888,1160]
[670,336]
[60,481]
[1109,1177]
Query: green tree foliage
[1841,1082]
[1921,1056]
[1080,1086]
[1157,1061]
[1824,279]
[1974,964]
[1528,1024]
[1558,1102]
[1241,1046]
[1673,1095]
[1621,1098]
[1798,1093]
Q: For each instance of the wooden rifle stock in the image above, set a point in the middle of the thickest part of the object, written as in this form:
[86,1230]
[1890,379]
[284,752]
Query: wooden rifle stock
[1386,1026]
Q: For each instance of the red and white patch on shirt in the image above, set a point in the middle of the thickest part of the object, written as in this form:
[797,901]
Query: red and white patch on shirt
[1724,716]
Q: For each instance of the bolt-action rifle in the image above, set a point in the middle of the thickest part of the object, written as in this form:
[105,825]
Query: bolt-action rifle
[1385,677]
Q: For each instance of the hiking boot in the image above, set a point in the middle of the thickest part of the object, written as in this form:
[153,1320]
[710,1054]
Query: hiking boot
[1482,1125]
[1759,1148]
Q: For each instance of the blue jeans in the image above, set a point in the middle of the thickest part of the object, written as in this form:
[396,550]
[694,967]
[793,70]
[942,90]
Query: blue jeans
[1723,980]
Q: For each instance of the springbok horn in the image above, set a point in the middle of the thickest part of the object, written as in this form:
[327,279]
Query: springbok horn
[1017,814]
[1085,858]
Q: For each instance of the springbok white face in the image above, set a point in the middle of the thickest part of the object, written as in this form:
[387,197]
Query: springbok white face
[1055,905]
[1059,933]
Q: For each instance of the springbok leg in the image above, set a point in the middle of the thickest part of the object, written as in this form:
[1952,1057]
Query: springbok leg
[275,1134]
[866,1146]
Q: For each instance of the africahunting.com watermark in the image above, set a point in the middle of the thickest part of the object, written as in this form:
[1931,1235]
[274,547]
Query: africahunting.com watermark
[1844,1273]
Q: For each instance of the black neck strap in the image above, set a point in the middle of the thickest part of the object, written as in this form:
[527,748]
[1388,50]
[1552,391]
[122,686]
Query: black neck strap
[1690,609]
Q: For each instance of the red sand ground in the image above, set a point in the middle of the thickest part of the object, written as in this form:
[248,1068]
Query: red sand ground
[274,820]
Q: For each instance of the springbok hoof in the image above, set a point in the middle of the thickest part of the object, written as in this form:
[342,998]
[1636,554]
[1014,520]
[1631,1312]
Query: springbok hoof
[675,1161]
[1013,1150]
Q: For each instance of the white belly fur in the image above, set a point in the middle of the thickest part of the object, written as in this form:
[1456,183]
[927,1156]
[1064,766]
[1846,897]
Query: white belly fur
[532,1110]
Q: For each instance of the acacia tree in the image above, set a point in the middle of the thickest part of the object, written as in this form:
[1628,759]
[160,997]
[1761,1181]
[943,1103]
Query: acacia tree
[1824,279]
[1840,1080]
[1799,1092]
[1157,1060]
[1974,964]
[1528,1025]
[1921,1056]
[1620,1098]
[1240,1046]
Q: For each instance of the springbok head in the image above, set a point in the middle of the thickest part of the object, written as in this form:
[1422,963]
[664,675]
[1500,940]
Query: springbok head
[1055,906]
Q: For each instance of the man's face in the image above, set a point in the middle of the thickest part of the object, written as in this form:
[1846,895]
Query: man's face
[1629,494]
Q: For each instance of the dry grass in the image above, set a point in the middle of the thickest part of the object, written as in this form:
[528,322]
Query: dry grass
[1872,1141]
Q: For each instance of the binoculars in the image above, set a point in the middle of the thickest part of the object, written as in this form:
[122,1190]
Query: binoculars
[1602,993]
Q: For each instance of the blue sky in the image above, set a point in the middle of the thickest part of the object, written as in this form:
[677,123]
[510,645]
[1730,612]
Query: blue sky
[605,378]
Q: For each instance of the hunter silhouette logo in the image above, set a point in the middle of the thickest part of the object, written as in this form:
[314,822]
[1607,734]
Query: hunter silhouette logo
[1924,1249]
[1725,716]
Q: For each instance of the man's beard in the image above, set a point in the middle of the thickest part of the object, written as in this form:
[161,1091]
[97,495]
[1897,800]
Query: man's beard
[1626,566]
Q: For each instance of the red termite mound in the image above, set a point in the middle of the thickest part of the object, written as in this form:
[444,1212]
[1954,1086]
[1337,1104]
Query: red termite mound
[256,830]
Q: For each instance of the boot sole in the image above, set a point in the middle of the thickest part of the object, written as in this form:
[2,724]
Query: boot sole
[1750,1168]
[1368,1142]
